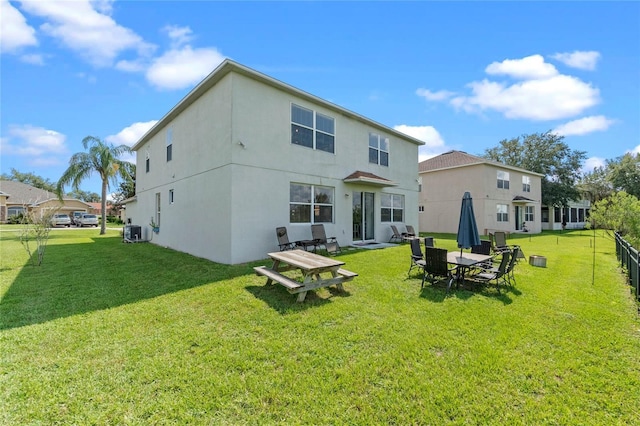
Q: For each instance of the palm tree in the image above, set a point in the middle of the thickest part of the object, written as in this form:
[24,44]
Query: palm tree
[102,158]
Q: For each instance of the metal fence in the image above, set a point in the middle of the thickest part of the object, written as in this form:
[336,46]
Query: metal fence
[628,257]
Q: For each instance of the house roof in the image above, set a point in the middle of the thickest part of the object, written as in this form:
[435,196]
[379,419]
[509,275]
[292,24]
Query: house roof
[22,194]
[368,178]
[228,66]
[453,159]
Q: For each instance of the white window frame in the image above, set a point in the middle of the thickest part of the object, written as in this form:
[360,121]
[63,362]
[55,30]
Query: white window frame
[315,205]
[158,200]
[529,213]
[169,140]
[502,211]
[391,208]
[526,184]
[314,128]
[171,196]
[503,179]
[379,145]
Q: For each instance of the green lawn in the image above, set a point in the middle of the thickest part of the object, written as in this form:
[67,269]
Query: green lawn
[111,333]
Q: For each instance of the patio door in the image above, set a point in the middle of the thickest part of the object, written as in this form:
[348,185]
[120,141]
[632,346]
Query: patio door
[518,217]
[363,216]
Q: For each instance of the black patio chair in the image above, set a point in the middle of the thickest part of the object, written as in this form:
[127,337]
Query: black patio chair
[436,267]
[395,234]
[417,258]
[429,242]
[320,237]
[283,239]
[498,275]
[511,278]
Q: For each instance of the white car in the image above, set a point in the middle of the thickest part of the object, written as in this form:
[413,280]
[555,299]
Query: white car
[87,220]
[60,219]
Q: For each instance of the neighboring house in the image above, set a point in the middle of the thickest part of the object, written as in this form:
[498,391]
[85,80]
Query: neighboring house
[504,197]
[244,153]
[96,208]
[575,216]
[16,197]
[3,207]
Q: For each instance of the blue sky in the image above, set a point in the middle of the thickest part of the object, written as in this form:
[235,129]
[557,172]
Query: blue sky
[458,75]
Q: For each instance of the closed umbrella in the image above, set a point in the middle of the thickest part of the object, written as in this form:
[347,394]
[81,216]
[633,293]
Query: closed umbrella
[467,229]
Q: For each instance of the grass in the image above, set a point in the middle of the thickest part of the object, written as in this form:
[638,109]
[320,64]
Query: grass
[111,333]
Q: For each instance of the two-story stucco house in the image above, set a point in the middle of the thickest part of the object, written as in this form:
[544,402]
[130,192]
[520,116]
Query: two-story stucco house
[244,153]
[505,198]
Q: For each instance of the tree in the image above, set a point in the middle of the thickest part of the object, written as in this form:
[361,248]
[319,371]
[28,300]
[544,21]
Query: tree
[619,212]
[547,154]
[595,185]
[35,229]
[624,173]
[101,158]
[126,189]
[30,179]
[87,197]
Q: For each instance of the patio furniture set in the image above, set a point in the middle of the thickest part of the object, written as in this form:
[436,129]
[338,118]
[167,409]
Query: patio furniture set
[485,264]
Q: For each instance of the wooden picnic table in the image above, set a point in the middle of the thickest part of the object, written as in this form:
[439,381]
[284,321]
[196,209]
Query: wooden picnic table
[312,267]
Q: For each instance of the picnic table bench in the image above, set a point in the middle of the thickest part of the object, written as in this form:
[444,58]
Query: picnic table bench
[311,265]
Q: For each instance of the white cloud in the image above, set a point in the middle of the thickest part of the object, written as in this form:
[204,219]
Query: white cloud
[88,31]
[541,94]
[584,60]
[635,150]
[179,36]
[530,67]
[552,98]
[40,145]
[584,125]
[440,95]
[131,134]
[16,33]
[183,67]
[434,143]
[33,59]
[593,162]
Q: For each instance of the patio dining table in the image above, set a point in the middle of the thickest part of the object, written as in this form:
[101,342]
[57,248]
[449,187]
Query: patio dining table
[465,261]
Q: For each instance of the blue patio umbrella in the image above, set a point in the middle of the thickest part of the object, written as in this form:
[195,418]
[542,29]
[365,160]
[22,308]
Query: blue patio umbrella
[467,229]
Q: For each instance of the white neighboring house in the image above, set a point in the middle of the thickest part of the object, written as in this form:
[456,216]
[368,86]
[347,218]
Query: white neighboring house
[504,197]
[244,153]
[575,216]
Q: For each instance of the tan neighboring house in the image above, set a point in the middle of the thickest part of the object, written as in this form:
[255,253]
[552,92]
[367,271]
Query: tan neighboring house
[16,197]
[505,198]
[244,153]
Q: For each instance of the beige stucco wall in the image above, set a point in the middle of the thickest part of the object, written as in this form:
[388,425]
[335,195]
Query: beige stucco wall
[232,166]
[3,208]
[442,192]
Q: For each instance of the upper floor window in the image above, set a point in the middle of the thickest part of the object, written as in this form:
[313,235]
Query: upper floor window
[392,208]
[171,196]
[526,184]
[503,212]
[169,143]
[378,149]
[312,129]
[146,165]
[503,179]
[310,203]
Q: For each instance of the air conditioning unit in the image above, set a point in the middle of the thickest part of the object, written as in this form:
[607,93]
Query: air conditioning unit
[133,233]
